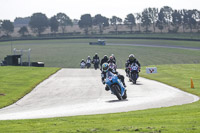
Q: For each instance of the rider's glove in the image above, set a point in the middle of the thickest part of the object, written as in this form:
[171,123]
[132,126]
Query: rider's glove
[104,82]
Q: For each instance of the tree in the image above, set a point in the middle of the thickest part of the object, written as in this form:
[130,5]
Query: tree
[7,27]
[23,30]
[198,22]
[146,20]
[189,19]
[130,21]
[167,11]
[100,21]
[53,23]
[153,15]
[161,21]
[115,21]
[85,22]
[176,20]
[63,21]
[1,26]
[139,19]
[38,23]
[192,16]
[184,19]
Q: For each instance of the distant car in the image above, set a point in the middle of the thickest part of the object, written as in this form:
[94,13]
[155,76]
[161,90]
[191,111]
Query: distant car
[99,42]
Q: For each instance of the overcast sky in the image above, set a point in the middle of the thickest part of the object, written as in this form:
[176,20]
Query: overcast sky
[10,9]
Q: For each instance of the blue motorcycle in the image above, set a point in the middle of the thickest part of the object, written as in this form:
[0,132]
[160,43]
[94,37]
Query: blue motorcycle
[116,86]
[134,73]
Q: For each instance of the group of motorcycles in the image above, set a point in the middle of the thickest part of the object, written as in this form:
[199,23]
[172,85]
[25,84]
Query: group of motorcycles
[112,81]
[88,62]
[116,86]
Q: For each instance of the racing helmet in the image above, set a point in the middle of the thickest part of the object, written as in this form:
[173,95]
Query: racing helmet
[105,67]
[131,57]
[105,57]
[111,58]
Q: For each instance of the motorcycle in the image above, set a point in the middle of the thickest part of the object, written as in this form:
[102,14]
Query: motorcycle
[133,72]
[82,64]
[112,66]
[96,63]
[116,86]
[88,63]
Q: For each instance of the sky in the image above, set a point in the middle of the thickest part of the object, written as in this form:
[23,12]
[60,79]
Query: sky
[10,9]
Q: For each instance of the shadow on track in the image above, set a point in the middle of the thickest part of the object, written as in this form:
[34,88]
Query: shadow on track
[114,101]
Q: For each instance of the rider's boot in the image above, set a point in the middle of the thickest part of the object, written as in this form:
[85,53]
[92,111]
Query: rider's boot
[107,88]
[124,84]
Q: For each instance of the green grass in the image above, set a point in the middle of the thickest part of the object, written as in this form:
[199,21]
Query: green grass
[68,53]
[15,82]
[176,119]
[179,76]
[185,118]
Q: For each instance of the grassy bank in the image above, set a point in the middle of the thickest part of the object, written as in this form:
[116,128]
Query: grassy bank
[176,119]
[68,53]
[15,82]
[179,76]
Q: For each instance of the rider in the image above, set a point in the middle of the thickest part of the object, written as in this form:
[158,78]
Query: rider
[113,57]
[96,59]
[111,60]
[105,72]
[131,60]
[104,60]
[88,61]
[82,63]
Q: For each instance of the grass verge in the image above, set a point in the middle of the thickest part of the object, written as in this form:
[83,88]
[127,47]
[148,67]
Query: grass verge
[15,82]
[176,119]
[58,53]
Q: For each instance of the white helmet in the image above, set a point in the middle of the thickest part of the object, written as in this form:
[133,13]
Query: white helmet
[131,57]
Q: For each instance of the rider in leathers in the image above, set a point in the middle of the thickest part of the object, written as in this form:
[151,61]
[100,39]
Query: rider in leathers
[111,60]
[96,59]
[104,60]
[130,61]
[105,73]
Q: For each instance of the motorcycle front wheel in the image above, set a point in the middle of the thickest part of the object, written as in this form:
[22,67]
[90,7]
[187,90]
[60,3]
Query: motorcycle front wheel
[117,91]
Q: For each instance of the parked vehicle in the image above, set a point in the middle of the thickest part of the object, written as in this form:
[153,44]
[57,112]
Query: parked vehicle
[99,42]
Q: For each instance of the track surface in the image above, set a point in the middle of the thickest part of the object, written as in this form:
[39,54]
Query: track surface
[72,92]
[158,46]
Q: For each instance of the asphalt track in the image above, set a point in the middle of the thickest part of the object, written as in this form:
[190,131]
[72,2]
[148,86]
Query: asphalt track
[157,46]
[72,92]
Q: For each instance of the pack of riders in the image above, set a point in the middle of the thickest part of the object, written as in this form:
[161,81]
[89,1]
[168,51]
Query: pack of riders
[108,65]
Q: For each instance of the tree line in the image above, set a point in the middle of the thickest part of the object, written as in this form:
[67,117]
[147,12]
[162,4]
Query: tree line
[164,18]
